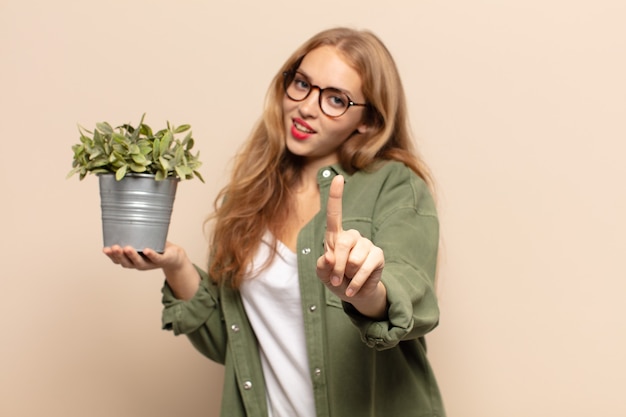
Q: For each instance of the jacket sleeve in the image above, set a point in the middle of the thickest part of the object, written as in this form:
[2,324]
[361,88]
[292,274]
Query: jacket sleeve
[406,228]
[199,318]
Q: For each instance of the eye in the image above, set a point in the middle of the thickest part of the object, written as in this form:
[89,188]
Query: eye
[300,83]
[335,98]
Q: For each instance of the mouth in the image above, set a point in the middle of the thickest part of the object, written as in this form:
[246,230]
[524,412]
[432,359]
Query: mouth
[300,130]
[302,127]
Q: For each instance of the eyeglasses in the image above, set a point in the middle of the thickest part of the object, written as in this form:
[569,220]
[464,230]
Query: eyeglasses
[332,101]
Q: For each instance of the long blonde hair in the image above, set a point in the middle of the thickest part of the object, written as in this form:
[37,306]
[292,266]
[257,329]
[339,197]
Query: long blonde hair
[259,194]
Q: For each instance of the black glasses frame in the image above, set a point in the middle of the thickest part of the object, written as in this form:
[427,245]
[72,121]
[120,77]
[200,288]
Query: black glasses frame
[288,77]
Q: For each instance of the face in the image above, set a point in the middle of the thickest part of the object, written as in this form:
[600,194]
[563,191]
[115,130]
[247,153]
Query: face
[311,133]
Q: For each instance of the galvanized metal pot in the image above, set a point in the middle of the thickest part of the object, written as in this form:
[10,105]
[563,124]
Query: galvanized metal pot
[136,210]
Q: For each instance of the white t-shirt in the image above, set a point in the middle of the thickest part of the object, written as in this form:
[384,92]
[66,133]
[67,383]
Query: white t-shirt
[272,302]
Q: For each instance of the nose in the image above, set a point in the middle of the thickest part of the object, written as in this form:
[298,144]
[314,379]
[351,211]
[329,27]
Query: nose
[310,105]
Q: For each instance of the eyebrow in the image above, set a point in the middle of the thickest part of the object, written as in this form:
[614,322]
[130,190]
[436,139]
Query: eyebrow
[346,92]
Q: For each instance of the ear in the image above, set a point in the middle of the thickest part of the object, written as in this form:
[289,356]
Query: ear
[363,128]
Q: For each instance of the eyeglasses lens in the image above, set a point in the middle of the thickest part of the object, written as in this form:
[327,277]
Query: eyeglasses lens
[332,102]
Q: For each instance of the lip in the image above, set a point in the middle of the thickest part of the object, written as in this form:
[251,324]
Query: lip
[299,134]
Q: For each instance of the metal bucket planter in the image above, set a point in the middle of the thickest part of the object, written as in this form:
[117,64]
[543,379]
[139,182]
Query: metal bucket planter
[136,210]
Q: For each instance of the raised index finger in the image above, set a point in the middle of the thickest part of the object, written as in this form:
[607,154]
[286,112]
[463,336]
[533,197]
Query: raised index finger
[334,206]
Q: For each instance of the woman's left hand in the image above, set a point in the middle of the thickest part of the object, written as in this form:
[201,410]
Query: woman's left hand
[351,266]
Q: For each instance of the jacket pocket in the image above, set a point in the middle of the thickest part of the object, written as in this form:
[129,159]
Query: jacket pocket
[331,299]
[361,224]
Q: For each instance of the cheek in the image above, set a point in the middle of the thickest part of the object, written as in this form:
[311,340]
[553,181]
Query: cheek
[288,105]
[347,128]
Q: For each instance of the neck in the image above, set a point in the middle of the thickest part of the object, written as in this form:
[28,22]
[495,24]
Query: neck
[305,170]
[310,168]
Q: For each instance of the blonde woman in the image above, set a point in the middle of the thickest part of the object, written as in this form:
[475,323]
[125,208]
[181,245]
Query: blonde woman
[320,285]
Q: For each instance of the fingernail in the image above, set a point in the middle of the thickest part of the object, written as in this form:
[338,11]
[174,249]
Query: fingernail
[335,280]
[349,292]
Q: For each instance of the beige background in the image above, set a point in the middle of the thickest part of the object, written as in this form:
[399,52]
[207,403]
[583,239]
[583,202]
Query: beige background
[518,105]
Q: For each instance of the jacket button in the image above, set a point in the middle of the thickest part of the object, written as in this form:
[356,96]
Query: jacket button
[326,173]
[312,308]
[234,328]
[317,372]
[247,385]
[306,251]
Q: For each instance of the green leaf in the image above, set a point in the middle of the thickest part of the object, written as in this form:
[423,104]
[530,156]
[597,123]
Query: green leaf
[156,149]
[95,154]
[101,171]
[116,156]
[120,138]
[140,159]
[137,167]
[105,128]
[160,176]
[179,156]
[100,162]
[183,172]
[119,148]
[146,130]
[182,128]
[165,142]
[160,133]
[73,172]
[164,163]
[97,137]
[145,148]
[119,174]
[135,134]
[197,174]
[82,131]
[188,142]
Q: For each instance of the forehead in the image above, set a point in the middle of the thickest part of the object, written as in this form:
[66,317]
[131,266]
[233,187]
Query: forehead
[326,67]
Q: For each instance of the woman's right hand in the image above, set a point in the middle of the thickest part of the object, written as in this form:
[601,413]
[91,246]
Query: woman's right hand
[172,257]
[180,273]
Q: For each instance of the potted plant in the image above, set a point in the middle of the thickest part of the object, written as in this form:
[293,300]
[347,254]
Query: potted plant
[138,172]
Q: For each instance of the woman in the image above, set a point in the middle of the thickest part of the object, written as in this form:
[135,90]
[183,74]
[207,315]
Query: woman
[320,284]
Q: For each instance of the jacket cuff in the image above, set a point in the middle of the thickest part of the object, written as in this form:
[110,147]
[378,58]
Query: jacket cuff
[184,317]
[402,319]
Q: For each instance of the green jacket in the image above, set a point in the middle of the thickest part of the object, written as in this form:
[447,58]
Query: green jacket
[359,367]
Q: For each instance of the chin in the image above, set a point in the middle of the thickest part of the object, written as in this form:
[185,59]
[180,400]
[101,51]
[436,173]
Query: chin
[293,147]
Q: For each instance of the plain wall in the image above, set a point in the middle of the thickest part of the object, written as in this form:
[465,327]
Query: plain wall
[518,106]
